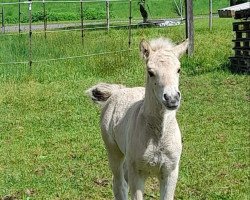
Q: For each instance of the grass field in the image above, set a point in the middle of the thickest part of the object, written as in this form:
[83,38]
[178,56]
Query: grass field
[50,143]
[97,10]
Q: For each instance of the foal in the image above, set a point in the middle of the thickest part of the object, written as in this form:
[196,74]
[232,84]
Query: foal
[139,125]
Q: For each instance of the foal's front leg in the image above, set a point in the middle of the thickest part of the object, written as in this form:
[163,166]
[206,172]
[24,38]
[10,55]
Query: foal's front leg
[116,162]
[168,182]
[136,183]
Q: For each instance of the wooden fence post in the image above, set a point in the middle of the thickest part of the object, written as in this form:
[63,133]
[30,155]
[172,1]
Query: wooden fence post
[189,25]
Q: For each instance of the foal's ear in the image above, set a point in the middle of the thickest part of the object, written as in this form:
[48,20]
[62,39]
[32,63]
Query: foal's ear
[181,48]
[145,49]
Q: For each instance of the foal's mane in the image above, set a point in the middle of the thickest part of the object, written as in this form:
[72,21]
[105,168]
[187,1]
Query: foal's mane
[161,44]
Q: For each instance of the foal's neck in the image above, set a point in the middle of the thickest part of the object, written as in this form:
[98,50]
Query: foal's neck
[154,111]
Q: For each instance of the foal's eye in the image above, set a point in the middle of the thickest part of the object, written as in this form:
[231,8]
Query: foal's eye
[179,70]
[150,73]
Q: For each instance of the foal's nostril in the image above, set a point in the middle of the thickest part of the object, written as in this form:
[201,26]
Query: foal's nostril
[166,97]
[178,96]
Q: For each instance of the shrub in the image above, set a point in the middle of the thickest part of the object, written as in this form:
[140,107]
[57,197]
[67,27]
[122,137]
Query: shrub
[94,13]
[37,16]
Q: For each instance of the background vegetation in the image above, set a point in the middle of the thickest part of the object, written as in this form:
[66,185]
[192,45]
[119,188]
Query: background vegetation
[97,10]
[50,143]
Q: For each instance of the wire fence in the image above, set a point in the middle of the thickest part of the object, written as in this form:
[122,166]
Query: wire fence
[45,31]
[82,25]
[179,10]
[80,14]
[82,28]
[69,57]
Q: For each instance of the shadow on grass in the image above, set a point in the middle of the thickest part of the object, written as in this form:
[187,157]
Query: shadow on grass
[193,69]
[235,70]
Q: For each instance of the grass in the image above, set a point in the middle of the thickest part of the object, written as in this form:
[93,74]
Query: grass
[97,10]
[50,143]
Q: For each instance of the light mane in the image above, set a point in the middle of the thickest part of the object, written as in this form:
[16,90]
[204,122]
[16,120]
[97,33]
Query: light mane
[161,44]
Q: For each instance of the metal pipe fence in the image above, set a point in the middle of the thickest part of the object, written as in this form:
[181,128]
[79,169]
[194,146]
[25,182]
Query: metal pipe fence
[45,17]
[82,28]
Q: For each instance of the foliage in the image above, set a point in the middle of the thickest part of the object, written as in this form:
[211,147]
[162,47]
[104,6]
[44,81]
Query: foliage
[94,13]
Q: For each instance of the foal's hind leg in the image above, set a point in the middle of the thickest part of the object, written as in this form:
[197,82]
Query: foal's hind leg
[116,162]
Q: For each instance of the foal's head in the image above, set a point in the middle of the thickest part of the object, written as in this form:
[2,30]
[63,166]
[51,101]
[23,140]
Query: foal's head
[163,68]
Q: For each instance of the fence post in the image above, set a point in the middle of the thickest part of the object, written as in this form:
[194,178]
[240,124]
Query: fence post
[210,14]
[19,16]
[189,25]
[44,20]
[107,13]
[3,27]
[82,27]
[129,26]
[30,33]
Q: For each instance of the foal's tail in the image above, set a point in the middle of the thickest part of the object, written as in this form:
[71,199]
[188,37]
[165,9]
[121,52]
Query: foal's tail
[102,91]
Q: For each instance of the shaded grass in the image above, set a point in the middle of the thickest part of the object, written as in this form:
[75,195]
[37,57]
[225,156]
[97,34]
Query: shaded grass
[50,143]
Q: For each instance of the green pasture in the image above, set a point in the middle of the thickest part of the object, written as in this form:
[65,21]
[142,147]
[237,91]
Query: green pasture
[50,142]
[157,9]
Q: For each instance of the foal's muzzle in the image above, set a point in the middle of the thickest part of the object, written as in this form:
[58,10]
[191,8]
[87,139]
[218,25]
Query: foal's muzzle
[172,102]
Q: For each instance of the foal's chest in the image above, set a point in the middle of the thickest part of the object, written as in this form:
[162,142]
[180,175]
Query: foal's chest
[156,156]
